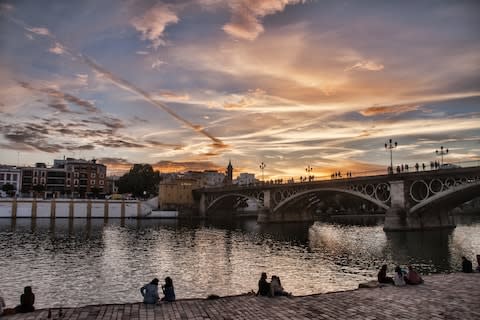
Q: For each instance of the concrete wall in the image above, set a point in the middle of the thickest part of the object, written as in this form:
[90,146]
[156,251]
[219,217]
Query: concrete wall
[76,208]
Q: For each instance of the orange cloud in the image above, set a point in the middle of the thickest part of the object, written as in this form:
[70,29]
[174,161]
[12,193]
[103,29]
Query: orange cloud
[246,15]
[374,111]
[153,23]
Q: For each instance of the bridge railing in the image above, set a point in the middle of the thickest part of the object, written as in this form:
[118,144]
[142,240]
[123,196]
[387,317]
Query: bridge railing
[348,174]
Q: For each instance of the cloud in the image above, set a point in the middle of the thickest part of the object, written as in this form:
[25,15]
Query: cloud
[170,95]
[58,49]
[183,166]
[153,23]
[39,31]
[399,109]
[141,52]
[88,106]
[157,64]
[6,7]
[240,104]
[366,65]
[245,22]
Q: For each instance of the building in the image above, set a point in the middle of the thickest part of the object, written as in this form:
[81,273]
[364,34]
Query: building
[176,193]
[245,179]
[68,177]
[84,178]
[10,175]
[229,173]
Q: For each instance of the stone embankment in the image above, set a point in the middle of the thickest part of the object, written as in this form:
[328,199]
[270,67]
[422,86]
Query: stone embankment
[445,296]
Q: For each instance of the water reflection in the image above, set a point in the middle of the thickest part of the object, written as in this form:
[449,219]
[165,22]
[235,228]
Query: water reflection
[79,262]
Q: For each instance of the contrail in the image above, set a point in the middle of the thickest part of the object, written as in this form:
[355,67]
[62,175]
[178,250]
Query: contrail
[118,81]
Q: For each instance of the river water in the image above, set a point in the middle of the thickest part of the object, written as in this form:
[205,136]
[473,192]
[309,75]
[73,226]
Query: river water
[79,262]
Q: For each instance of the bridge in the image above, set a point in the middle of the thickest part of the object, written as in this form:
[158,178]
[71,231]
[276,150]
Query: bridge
[411,201]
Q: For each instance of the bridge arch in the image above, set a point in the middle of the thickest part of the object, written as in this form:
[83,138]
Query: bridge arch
[337,190]
[231,195]
[449,198]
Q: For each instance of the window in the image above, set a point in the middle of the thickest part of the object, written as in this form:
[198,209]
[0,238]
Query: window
[14,177]
[102,175]
[75,182]
[34,180]
[8,176]
[42,181]
[35,173]
[68,182]
[101,182]
[1,176]
[43,173]
[93,175]
[92,182]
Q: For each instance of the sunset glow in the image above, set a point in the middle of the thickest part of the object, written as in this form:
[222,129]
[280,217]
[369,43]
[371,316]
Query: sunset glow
[192,84]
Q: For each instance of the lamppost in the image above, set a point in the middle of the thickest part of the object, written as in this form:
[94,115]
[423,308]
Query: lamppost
[262,166]
[390,146]
[441,153]
[308,169]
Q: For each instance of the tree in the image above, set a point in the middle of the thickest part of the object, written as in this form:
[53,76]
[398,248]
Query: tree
[38,188]
[140,178]
[9,189]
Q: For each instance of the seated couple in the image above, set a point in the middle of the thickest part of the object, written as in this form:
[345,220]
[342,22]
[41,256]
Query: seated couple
[272,289]
[400,278]
[150,291]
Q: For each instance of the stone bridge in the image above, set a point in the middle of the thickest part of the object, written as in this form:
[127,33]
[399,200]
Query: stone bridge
[414,200]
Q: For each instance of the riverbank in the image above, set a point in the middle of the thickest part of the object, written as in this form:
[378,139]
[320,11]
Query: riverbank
[442,296]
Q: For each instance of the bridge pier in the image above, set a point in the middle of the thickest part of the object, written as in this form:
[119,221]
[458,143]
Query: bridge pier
[399,217]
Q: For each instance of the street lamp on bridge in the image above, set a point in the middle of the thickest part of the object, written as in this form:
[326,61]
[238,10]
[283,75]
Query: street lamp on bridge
[441,153]
[309,169]
[262,167]
[390,146]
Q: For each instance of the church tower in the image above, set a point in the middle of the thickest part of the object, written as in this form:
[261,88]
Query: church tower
[229,173]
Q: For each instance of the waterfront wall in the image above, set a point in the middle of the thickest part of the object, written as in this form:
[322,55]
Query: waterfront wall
[72,208]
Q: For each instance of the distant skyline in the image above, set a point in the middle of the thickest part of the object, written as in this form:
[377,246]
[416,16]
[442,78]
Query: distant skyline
[192,84]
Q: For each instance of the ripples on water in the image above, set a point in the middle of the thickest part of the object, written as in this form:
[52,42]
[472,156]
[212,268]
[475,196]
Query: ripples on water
[80,262]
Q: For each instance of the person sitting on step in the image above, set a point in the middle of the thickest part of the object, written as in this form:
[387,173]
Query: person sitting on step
[263,286]
[168,290]
[412,277]
[382,275]
[150,292]
[27,299]
[467,265]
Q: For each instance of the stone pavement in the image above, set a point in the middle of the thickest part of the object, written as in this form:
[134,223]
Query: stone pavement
[444,296]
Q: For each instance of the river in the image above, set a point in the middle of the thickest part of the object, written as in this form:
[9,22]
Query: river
[80,262]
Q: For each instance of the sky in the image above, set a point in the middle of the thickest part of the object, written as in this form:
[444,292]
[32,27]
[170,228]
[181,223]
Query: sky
[194,84]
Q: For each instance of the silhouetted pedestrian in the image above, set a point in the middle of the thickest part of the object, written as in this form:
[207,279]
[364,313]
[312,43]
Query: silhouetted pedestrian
[413,277]
[467,265]
[150,292]
[263,286]
[27,300]
[423,166]
[382,275]
[168,290]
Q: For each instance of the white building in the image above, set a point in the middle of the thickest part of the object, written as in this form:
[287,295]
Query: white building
[11,175]
[212,178]
[245,179]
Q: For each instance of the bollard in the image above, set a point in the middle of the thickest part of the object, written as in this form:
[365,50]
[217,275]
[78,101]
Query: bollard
[105,210]
[89,209]
[34,208]
[14,208]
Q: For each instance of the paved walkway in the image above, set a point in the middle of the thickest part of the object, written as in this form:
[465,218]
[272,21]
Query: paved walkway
[453,296]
